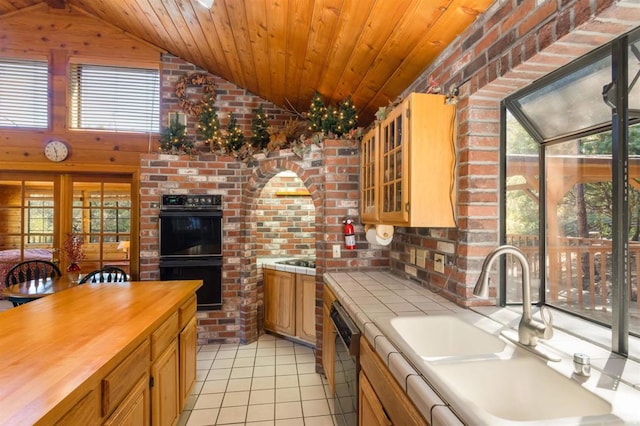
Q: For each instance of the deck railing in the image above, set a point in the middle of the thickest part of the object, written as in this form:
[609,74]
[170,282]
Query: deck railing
[579,271]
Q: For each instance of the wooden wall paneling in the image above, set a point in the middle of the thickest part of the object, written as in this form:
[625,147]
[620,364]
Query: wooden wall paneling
[237,16]
[182,25]
[259,38]
[326,14]
[299,19]
[58,89]
[225,35]
[443,31]
[278,50]
[9,7]
[44,29]
[217,61]
[399,44]
[353,18]
[371,40]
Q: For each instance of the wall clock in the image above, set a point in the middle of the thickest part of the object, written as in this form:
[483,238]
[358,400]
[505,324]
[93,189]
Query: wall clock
[56,151]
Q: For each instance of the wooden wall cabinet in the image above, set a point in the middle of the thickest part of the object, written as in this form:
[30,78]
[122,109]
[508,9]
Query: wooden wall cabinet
[369,176]
[328,338]
[412,162]
[290,303]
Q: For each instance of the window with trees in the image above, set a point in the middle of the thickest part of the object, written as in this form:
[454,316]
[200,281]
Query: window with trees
[572,188]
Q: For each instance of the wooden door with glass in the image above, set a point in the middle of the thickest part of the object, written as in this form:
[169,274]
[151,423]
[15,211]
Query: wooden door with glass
[39,211]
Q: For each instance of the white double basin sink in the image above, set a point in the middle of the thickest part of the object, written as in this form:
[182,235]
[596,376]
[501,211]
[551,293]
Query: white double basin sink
[488,380]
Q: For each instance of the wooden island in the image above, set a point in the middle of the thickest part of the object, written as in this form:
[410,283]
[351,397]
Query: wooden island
[112,353]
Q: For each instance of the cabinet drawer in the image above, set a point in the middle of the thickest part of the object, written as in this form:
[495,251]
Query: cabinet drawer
[86,412]
[134,410]
[187,311]
[161,338]
[117,384]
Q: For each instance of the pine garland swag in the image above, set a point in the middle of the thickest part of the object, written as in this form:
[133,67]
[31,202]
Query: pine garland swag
[173,138]
[209,125]
[235,137]
[259,129]
[317,111]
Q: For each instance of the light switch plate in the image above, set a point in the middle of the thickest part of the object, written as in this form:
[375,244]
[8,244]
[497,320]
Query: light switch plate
[438,263]
[412,256]
[336,251]
[421,258]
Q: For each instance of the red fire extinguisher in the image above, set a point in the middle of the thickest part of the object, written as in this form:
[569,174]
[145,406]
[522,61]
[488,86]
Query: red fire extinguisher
[349,235]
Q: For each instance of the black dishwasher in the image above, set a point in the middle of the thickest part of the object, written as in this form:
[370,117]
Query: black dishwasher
[347,366]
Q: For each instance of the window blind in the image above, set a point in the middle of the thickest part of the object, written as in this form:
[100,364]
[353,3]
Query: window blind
[24,86]
[114,98]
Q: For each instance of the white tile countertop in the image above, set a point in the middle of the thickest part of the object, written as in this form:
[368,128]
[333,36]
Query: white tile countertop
[272,263]
[373,294]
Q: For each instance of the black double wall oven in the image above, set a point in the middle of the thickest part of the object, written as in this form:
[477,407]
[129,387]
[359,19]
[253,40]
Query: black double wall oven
[191,244]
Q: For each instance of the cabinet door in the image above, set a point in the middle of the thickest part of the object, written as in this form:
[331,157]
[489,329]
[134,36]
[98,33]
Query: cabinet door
[165,398]
[188,340]
[306,307]
[393,168]
[134,410]
[370,411]
[279,302]
[369,172]
[328,346]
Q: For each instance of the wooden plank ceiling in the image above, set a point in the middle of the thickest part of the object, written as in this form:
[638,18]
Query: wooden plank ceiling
[285,50]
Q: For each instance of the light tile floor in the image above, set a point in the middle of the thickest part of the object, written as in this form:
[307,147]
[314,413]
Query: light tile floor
[269,382]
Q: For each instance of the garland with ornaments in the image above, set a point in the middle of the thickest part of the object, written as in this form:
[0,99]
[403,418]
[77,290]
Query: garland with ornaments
[297,134]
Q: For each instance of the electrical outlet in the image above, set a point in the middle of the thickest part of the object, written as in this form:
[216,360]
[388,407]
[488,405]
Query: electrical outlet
[438,263]
[336,251]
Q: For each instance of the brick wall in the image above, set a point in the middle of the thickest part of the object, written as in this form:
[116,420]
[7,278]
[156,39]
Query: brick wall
[285,223]
[229,99]
[513,44]
[330,172]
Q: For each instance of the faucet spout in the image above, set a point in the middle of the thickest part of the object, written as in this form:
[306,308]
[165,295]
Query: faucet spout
[529,330]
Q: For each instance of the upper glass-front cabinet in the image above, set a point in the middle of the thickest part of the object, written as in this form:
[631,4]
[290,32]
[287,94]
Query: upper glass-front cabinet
[369,175]
[408,174]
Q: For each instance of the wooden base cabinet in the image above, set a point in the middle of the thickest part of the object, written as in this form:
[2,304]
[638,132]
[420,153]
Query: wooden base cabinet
[290,304]
[134,410]
[280,301]
[165,398]
[328,338]
[370,411]
[188,351]
[381,399]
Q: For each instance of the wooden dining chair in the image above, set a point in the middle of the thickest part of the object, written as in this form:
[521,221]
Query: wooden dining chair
[27,271]
[109,274]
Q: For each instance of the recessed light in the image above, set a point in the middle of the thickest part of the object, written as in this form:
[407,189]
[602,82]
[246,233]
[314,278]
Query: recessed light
[206,3]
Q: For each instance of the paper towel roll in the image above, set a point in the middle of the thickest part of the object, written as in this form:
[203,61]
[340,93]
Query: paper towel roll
[371,235]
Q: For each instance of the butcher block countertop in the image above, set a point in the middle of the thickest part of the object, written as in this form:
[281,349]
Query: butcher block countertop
[55,349]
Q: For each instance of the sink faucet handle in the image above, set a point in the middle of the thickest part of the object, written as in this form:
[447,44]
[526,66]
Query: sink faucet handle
[547,321]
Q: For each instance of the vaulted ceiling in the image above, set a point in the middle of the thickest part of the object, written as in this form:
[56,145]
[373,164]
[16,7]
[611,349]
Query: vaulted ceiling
[285,50]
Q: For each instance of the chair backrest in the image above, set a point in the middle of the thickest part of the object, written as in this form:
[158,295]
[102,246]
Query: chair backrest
[110,274]
[31,270]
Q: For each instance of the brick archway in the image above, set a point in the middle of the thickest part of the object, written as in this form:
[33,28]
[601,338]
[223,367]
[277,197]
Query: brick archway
[268,168]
